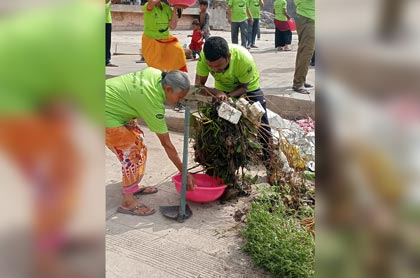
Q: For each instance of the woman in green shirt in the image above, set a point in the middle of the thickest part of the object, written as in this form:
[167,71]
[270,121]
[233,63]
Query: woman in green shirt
[283,35]
[142,95]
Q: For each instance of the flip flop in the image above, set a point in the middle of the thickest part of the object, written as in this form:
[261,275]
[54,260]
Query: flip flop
[132,211]
[146,190]
[301,90]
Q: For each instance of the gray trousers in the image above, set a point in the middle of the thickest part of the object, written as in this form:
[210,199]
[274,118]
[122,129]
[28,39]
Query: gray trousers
[234,29]
[306,46]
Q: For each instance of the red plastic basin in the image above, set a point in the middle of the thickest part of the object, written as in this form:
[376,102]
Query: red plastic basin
[207,188]
[182,3]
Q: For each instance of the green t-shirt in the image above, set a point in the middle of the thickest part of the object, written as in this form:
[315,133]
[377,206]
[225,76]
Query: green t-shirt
[136,95]
[254,6]
[241,70]
[279,6]
[40,75]
[238,10]
[108,17]
[156,21]
[306,8]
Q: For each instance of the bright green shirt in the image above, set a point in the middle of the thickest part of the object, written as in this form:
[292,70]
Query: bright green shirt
[254,6]
[156,21]
[279,6]
[306,8]
[241,70]
[108,17]
[136,95]
[29,83]
[238,10]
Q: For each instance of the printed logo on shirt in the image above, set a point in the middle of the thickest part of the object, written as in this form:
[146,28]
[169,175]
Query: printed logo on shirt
[160,116]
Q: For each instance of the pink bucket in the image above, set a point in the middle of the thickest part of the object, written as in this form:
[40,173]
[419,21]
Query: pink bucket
[292,24]
[207,188]
[182,3]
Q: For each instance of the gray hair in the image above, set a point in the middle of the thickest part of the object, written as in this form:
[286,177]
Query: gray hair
[177,80]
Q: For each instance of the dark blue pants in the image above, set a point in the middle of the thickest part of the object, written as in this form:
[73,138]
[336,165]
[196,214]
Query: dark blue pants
[108,29]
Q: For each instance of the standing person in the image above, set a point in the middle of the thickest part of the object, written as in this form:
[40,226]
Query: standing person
[204,19]
[239,16]
[141,94]
[255,7]
[108,30]
[283,34]
[305,25]
[159,48]
[196,39]
[235,75]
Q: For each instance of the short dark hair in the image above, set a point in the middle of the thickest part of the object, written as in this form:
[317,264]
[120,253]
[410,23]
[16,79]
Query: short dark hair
[195,22]
[204,2]
[215,48]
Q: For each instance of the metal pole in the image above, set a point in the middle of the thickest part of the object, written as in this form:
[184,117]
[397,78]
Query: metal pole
[181,216]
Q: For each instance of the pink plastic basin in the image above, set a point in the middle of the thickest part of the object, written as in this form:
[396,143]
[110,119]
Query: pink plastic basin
[207,188]
[182,3]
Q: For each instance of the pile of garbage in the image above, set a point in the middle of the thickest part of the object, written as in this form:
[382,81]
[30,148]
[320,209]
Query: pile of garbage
[295,141]
[267,20]
[225,141]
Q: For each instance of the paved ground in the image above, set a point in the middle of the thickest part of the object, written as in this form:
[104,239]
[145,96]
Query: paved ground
[208,244]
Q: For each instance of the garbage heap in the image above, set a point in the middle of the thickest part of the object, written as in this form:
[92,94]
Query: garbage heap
[226,141]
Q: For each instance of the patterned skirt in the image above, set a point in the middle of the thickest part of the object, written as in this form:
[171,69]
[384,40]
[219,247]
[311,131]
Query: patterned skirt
[127,143]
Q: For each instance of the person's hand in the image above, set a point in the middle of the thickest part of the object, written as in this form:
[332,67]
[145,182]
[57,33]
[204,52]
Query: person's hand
[229,20]
[190,182]
[220,96]
[250,21]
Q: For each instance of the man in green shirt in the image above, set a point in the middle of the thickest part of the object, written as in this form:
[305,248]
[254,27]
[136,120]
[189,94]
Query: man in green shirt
[239,16]
[235,75]
[108,30]
[255,7]
[305,25]
[142,95]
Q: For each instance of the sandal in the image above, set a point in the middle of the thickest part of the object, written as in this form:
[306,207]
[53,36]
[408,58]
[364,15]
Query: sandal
[133,210]
[145,190]
[301,90]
